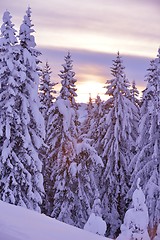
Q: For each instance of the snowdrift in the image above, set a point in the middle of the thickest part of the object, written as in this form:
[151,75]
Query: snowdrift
[17,223]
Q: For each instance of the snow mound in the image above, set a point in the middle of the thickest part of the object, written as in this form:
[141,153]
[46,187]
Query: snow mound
[136,219]
[95,224]
[17,223]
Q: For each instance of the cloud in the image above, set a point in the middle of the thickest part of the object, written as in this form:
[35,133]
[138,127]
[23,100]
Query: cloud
[88,63]
[102,27]
[96,25]
[93,30]
[93,69]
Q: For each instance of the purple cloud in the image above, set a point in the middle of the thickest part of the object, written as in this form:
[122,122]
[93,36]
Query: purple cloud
[93,31]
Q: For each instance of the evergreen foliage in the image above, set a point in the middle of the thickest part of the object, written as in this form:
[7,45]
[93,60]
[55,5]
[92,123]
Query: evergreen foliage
[61,128]
[134,94]
[90,169]
[68,90]
[47,100]
[86,126]
[146,164]
[9,118]
[47,91]
[117,143]
[74,160]
[136,218]
[21,136]
[95,223]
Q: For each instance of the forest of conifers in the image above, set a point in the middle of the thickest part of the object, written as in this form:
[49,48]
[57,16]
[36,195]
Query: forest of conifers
[52,162]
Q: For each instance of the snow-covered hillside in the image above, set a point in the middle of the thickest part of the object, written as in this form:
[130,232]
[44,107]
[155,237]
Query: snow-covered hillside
[17,223]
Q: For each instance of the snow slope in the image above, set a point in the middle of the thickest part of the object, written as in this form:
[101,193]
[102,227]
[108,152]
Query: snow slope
[17,223]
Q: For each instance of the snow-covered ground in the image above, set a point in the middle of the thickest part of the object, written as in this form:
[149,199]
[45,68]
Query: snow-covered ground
[17,223]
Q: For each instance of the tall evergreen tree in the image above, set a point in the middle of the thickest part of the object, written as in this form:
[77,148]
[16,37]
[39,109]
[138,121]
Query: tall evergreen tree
[47,100]
[71,158]
[68,90]
[8,116]
[136,218]
[95,223]
[118,142]
[32,119]
[93,127]
[47,91]
[98,128]
[60,123]
[86,126]
[146,164]
[134,94]
[22,136]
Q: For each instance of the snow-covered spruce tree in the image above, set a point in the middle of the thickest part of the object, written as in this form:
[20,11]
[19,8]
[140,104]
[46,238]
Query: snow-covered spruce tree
[92,128]
[61,123]
[134,94]
[8,115]
[68,90]
[72,158]
[98,124]
[22,181]
[136,219]
[118,144]
[88,165]
[31,118]
[47,99]
[146,164]
[86,126]
[95,223]
[47,91]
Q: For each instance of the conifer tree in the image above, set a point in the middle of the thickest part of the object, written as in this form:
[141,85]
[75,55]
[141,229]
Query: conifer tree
[95,223]
[47,100]
[86,126]
[134,94]
[9,118]
[98,125]
[72,159]
[68,90]
[94,130]
[146,163]
[136,218]
[47,91]
[88,165]
[117,143]
[61,128]
[21,164]
[32,120]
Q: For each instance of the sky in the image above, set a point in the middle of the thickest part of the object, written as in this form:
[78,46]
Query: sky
[93,31]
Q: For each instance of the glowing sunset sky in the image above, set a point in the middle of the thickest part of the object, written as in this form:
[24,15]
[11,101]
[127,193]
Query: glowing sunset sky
[93,31]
